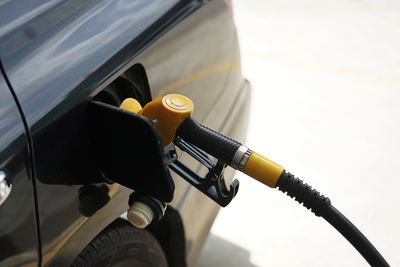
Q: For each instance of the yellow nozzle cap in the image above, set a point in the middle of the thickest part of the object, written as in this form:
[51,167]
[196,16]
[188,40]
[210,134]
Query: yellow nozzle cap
[178,104]
[131,105]
[169,111]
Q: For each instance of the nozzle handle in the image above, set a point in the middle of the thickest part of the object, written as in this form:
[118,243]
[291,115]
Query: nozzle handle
[210,141]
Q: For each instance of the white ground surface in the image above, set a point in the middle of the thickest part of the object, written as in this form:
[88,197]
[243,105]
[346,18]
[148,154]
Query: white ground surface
[326,105]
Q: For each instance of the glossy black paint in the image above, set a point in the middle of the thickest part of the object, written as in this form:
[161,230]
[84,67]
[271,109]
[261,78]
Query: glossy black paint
[56,56]
[55,63]
[59,54]
[17,221]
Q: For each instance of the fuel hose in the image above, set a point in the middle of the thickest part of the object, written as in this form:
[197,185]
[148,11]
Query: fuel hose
[173,116]
[273,175]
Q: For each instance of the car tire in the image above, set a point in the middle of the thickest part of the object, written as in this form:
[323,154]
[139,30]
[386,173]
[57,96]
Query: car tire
[121,244]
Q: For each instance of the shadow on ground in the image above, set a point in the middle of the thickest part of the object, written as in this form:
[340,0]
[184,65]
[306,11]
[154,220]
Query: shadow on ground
[222,253]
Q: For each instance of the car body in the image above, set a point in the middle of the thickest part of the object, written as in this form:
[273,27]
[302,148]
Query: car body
[56,56]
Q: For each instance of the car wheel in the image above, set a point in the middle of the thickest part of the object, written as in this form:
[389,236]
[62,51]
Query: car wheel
[120,244]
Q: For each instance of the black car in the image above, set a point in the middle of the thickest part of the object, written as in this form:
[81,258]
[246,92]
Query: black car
[57,208]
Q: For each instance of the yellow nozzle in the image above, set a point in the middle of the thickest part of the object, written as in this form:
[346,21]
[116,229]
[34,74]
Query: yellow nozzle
[169,111]
[263,170]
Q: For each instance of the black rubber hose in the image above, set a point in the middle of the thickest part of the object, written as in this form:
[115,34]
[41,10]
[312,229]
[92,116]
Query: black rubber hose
[210,141]
[321,206]
[354,236]
[224,148]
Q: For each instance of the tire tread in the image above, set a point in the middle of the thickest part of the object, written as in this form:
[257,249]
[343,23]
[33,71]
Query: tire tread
[119,232]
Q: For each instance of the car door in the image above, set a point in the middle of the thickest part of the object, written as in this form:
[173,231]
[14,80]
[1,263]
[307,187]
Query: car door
[18,237]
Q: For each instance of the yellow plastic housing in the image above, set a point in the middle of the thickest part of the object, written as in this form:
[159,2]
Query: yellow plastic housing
[263,170]
[169,111]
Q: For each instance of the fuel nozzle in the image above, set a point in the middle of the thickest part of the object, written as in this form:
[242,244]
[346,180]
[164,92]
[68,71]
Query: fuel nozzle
[172,117]
[172,114]
[169,115]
